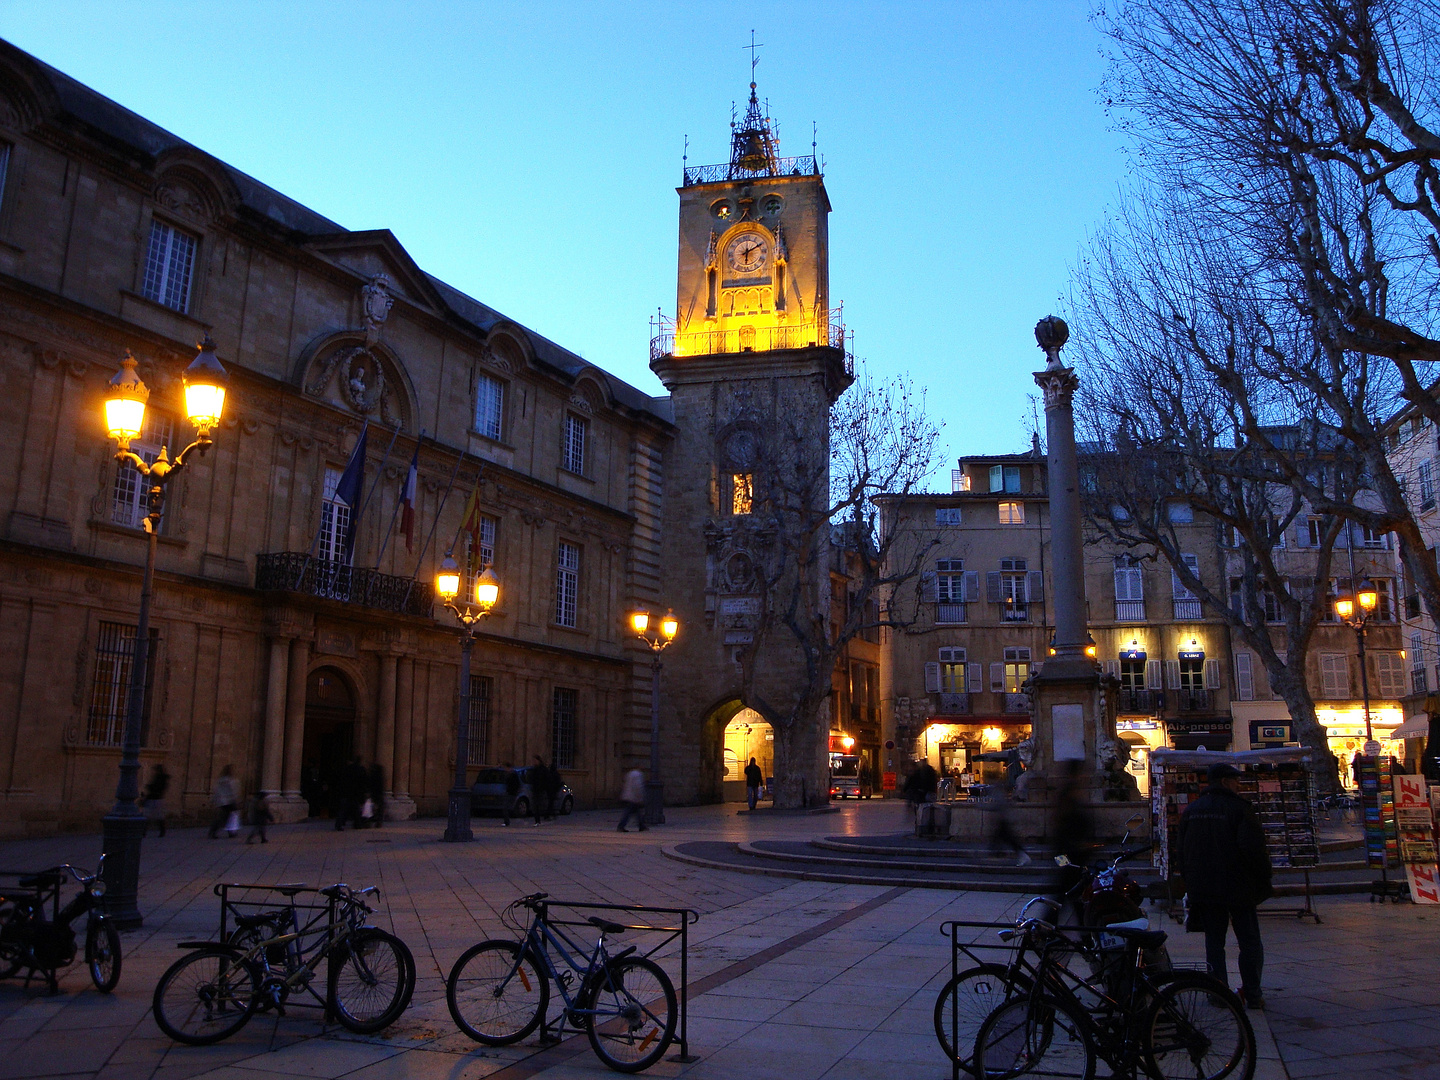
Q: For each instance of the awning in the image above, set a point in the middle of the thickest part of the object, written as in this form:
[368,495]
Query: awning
[1416,727]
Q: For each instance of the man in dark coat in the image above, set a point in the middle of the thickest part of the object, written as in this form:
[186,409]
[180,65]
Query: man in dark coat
[1222,856]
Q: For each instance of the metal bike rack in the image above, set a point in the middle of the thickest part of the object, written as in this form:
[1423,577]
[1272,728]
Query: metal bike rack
[951,929]
[676,927]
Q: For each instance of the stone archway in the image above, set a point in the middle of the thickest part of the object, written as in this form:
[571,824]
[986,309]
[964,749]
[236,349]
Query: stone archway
[747,735]
[330,737]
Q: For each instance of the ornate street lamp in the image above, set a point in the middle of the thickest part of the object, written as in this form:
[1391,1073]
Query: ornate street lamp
[204,380]
[487,592]
[1355,611]
[657,638]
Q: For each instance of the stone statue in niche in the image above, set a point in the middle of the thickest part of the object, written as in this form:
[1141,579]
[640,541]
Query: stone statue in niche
[375,305]
[364,382]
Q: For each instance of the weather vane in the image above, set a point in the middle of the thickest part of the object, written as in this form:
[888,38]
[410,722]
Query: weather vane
[753,58]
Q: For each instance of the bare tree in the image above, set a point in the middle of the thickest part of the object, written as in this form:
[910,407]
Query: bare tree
[812,496]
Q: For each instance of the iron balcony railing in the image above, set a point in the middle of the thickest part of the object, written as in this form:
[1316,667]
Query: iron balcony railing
[665,342]
[718,174]
[1146,702]
[1129,610]
[1017,703]
[1187,610]
[954,704]
[1195,700]
[294,571]
[949,613]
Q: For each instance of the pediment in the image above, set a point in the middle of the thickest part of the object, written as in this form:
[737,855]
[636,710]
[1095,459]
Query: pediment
[377,252]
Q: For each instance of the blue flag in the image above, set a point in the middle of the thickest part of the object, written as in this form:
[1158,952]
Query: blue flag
[352,483]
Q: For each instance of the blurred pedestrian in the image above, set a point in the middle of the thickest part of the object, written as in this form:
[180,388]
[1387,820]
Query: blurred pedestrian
[350,794]
[1074,834]
[539,777]
[226,800]
[554,784]
[753,779]
[1221,854]
[259,816]
[155,796]
[511,793]
[376,785]
[632,797]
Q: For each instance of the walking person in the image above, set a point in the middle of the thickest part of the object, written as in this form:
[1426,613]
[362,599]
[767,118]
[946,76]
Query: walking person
[753,779]
[376,785]
[350,794]
[259,816]
[226,801]
[512,792]
[632,797]
[155,796]
[1221,855]
[539,777]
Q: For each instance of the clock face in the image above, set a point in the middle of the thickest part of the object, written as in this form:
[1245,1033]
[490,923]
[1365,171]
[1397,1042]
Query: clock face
[742,449]
[747,253]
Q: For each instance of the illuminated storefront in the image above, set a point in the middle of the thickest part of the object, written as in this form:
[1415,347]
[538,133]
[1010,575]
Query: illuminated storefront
[951,744]
[1345,732]
[1141,736]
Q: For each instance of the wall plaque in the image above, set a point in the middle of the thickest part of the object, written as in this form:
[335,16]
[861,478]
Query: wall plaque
[740,605]
[335,643]
[738,637]
[1067,728]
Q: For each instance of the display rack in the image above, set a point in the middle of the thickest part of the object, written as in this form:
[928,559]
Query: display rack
[1278,783]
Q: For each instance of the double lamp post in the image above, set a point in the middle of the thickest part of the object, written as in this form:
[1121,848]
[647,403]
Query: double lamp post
[487,592]
[657,638]
[1355,611]
[204,381]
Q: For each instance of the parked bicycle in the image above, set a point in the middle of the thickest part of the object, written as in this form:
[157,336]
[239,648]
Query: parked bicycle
[499,991]
[32,942]
[275,954]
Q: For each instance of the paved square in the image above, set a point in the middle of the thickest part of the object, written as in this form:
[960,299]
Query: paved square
[795,980]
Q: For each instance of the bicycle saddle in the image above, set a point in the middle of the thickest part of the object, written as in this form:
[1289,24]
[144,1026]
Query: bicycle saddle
[605,926]
[291,889]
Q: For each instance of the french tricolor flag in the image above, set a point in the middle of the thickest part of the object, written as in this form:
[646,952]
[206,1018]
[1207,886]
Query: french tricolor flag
[407,502]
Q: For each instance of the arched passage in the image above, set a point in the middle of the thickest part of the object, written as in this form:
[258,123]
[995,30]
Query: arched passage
[747,735]
[329,735]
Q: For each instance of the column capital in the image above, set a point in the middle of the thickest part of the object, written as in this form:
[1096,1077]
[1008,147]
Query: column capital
[1058,385]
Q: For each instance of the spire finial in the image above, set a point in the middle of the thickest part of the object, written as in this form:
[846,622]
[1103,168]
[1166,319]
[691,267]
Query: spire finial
[754,60]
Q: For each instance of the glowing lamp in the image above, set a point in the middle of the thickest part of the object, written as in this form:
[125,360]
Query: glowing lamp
[125,403]
[487,589]
[640,621]
[447,581]
[205,381]
[1344,607]
[847,742]
[1090,651]
[669,626]
[1367,596]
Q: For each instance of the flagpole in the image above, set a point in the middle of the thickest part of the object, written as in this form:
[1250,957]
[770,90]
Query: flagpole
[436,524]
[365,502]
[315,540]
[414,461]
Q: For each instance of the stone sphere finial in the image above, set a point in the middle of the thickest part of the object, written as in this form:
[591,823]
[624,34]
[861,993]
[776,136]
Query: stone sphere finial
[1051,333]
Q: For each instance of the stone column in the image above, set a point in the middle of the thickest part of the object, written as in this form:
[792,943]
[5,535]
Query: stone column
[401,805]
[274,746]
[293,805]
[385,721]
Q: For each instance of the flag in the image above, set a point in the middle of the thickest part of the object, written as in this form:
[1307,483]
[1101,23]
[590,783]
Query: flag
[352,483]
[470,521]
[407,501]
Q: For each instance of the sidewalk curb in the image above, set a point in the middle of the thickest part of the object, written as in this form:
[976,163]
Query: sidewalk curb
[670,852]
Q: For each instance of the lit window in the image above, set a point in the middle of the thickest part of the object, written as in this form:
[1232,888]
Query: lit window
[573,452]
[564,718]
[169,264]
[742,493]
[567,583]
[129,501]
[1012,513]
[952,671]
[489,404]
[1017,669]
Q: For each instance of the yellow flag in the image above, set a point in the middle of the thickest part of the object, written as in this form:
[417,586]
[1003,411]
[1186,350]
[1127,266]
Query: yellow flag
[471,520]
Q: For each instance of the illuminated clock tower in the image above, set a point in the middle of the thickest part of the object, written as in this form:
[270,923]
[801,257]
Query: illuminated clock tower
[753,359]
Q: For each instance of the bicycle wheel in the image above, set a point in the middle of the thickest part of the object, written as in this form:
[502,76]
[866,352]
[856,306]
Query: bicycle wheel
[102,955]
[206,996]
[982,990]
[496,996]
[1033,1036]
[633,1022]
[1197,1030]
[369,976]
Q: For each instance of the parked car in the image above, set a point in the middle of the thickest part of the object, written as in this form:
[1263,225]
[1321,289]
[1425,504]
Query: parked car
[487,794]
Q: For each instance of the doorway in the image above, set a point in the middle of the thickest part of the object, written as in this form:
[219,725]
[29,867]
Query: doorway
[329,737]
[747,735]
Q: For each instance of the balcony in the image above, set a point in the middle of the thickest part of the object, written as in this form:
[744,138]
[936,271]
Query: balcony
[1187,610]
[955,704]
[294,571]
[665,341]
[1195,700]
[1129,610]
[1012,612]
[949,614]
[1143,702]
[1017,703]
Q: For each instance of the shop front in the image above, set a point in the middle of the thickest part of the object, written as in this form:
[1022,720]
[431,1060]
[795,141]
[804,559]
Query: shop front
[953,744]
[1207,733]
[1345,734]
[1140,735]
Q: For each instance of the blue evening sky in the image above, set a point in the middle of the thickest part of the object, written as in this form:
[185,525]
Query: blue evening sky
[528,153]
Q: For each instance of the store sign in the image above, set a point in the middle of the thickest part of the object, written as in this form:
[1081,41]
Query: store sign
[1198,727]
[1277,733]
[1193,655]
[1132,654]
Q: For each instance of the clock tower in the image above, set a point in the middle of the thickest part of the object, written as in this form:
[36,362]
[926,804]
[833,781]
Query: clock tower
[754,358]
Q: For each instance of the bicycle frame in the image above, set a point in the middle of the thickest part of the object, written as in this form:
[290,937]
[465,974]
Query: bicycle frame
[540,937]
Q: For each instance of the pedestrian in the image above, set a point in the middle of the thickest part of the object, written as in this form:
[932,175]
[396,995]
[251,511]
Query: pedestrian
[1004,835]
[539,777]
[155,796]
[753,779]
[1221,854]
[632,797]
[350,794]
[554,784]
[226,801]
[512,792]
[376,785]
[259,816]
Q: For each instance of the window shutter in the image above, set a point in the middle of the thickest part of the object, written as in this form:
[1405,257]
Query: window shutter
[973,676]
[1212,674]
[1152,675]
[932,677]
[1244,678]
[929,588]
[1172,674]
[997,678]
[992,586]
[1112,668]
[1034,586]
[971,594]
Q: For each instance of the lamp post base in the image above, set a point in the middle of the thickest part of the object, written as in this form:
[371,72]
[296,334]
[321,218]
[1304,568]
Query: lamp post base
[457,827]
[654,802]
[122,836]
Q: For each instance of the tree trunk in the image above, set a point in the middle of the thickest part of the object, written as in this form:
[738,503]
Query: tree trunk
[1309,732]
[801,769]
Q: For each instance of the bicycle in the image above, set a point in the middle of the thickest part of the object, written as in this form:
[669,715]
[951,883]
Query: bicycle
[499,991]
[213,992]
[30,940]
[1181,1025]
